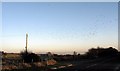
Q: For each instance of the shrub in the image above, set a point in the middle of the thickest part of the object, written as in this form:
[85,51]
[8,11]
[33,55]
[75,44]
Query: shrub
[29,57]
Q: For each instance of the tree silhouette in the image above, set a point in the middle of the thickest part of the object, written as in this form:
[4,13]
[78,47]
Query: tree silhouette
[29,57]
[101,52]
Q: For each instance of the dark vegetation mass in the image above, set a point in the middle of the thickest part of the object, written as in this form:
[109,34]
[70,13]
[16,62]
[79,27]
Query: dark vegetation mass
[29,57]
[101,52]
[92,53]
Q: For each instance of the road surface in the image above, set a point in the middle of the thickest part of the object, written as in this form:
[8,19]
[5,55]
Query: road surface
[104,64]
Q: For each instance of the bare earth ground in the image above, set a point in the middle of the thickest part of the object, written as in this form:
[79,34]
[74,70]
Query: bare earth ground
[14,63]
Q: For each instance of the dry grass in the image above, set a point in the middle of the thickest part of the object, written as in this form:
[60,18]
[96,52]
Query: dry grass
[14,62]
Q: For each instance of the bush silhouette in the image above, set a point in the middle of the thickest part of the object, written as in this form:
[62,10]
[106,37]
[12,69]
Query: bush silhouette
[29,57]
[101,52]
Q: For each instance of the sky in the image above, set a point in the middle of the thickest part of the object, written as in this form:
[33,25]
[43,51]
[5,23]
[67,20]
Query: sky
[59,27]
[118,26]
[59,0]
[0,26]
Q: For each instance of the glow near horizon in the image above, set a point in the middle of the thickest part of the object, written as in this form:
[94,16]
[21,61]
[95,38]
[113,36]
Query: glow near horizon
[59,27]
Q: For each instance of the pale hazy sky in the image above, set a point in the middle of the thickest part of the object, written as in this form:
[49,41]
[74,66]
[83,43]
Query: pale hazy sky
[59,0]
[59,27]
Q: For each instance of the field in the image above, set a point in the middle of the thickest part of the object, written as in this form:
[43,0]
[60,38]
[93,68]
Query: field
[13,62]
